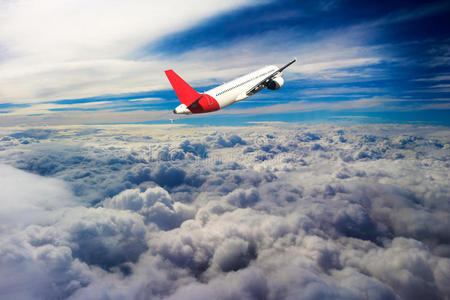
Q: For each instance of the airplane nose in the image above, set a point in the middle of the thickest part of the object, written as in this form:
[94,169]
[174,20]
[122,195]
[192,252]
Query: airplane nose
[174,111]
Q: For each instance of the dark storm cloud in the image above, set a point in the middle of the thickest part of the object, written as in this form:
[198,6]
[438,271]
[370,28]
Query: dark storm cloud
[358,212]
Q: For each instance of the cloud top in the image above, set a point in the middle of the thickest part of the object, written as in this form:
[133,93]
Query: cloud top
[316,212]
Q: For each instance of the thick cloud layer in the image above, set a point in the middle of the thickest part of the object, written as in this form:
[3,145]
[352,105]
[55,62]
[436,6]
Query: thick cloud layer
[270,211]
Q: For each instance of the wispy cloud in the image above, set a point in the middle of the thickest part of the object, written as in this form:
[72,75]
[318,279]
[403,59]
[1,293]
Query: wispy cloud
[87,52]
[62,49]
[419,12]
[69,61]
[303,106]
[435,78]
[435,106]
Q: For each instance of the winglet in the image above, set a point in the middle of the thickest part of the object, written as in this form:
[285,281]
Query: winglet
[287,65]
[186,94]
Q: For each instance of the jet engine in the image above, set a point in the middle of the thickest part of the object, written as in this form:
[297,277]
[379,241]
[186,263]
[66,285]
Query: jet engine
[275,83]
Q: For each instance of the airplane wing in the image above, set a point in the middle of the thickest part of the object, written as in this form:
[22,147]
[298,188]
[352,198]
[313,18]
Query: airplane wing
[263,83]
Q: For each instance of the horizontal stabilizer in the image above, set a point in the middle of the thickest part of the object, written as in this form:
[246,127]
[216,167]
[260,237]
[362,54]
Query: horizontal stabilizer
[184,91]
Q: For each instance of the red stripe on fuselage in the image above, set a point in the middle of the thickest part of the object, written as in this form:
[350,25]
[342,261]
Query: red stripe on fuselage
[206,104]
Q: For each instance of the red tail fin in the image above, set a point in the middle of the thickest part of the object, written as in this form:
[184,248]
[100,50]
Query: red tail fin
[184,91]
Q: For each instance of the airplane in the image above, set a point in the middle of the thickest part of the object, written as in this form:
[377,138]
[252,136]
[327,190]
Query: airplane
[226,94]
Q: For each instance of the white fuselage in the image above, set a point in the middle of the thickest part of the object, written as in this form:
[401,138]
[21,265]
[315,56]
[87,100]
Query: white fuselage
[235,90]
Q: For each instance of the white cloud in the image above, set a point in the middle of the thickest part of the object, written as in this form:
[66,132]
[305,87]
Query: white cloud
[28,198]
[192,212]
[335,64]
[298,106]
[86,49]
[443,77]
[54,48]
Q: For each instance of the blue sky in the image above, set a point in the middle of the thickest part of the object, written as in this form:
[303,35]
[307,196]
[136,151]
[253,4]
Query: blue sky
[103,63]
